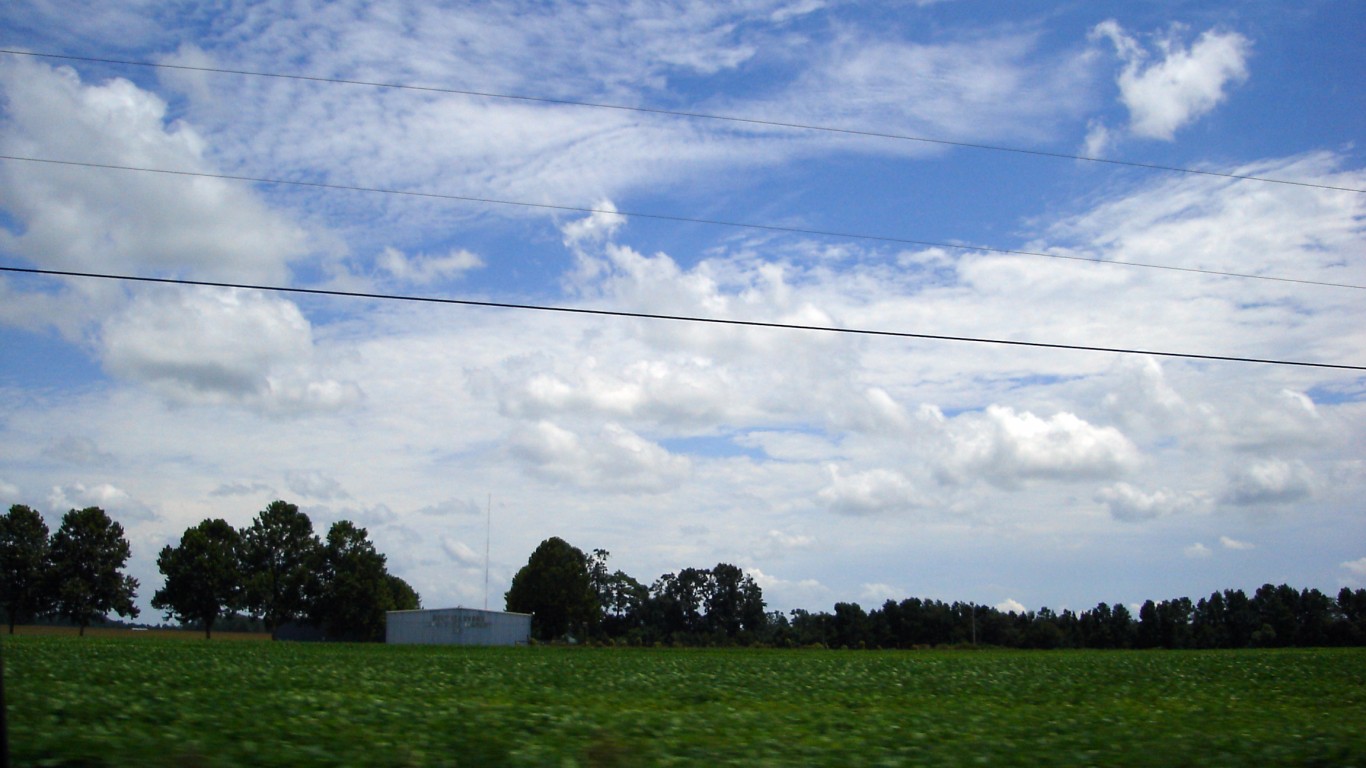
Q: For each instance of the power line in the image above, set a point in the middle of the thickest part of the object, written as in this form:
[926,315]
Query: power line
[677,318]
[693,115]
[678,219]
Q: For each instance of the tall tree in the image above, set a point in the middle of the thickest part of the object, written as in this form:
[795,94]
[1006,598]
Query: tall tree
[203,575]
[555,588]
[24,586]
[88,554]
[736,603]
[352,587]
[279,552]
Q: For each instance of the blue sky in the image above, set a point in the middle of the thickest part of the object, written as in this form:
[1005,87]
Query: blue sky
[831,467]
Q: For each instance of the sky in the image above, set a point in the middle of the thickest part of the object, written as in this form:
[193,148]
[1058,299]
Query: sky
[832,467]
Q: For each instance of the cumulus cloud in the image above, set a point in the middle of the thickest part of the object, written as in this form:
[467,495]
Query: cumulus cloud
[790,593]
[220,346]
[461,552]
[1007,448]
[103,220]
[879,593]
[615,459]
[1235,544]
[1011,605]
[116,501]
[1269,482]
[1182,85]
[870,492]
[1125,502]
[1356,567]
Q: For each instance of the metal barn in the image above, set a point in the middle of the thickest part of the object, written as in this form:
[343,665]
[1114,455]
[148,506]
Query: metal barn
[457,626]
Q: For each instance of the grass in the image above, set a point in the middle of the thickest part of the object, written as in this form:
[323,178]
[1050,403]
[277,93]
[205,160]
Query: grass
[152,701]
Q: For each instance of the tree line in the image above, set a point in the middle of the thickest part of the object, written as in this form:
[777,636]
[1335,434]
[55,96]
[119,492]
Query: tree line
[275,570]
[570,594]
[573,594]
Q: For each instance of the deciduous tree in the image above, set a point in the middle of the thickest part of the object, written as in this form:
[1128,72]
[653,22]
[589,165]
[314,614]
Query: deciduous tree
[279,552]
[88,554]
[353,589]
[555,588]
[203,575]
[24,584]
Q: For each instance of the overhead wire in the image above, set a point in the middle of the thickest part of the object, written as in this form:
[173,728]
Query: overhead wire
[763,122]
[330,292]
[679,219]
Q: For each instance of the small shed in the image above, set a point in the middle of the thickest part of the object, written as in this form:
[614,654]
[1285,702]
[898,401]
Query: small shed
[457,626]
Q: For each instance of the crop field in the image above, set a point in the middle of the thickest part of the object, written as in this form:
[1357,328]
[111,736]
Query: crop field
[109,700]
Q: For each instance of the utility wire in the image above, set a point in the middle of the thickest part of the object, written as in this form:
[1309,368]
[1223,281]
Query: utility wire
[679,219]
[677,318]
[688,114]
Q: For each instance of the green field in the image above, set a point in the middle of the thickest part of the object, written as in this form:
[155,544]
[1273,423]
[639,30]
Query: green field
[155,701]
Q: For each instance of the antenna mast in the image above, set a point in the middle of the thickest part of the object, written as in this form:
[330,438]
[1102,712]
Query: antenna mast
[488,531]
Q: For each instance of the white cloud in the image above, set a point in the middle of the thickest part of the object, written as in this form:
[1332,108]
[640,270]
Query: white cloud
[615,459]
[877,594]
[1183,85]
[871,492]
[461,553]
[783,594]
[423,269]
[1235,544]
[112,499]
[1125,502]
[9,491]
[104,220]
[1356,567]
[777,544]
[595,228]
[1269,482]
[1197,551]
[220,346]
[1007,448]
[1098,139]
[1011,606]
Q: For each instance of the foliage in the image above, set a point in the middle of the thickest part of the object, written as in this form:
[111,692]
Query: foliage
[352,586]
[555,588]
[279,552]
[724,606]
[25,591]
[402,595]
[203,575]
[276,569]
[88,553]
[107,702]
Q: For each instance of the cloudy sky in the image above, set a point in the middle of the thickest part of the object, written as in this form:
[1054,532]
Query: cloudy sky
[831,466]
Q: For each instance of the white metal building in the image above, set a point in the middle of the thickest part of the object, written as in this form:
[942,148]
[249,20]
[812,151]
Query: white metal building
[457,626]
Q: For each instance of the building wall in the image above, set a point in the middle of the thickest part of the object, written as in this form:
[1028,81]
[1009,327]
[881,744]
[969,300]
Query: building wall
[457,626]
